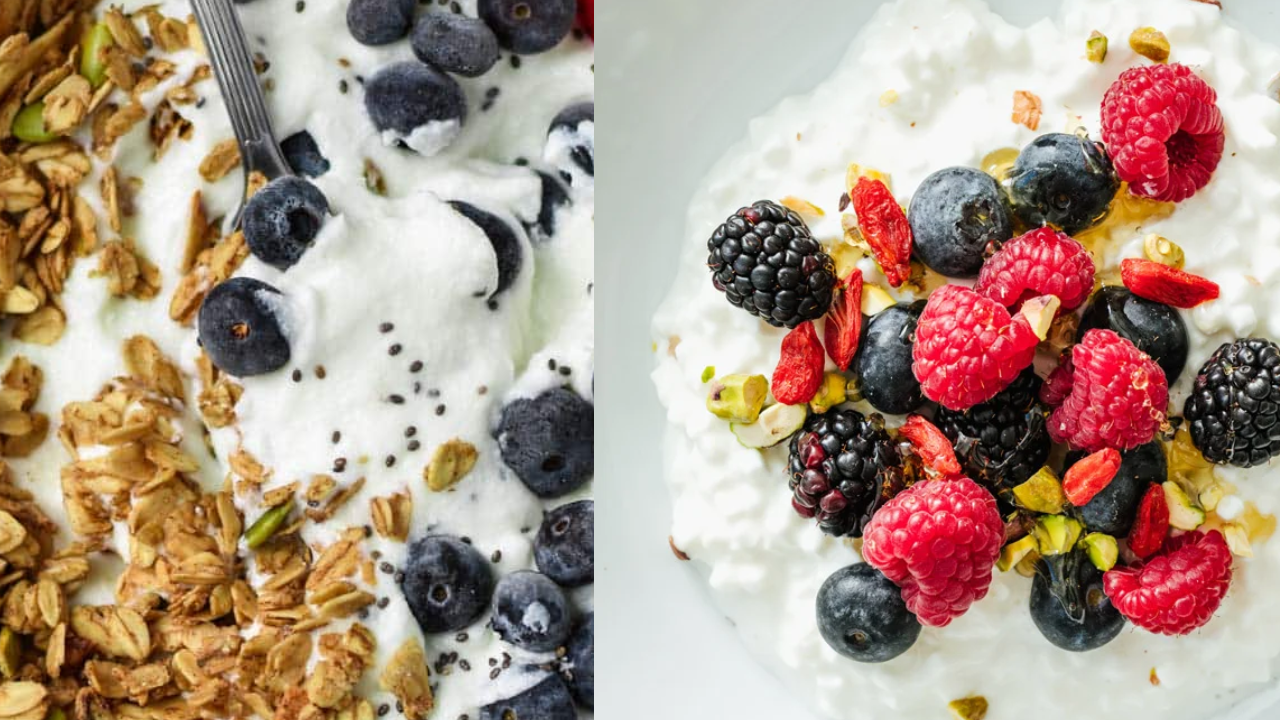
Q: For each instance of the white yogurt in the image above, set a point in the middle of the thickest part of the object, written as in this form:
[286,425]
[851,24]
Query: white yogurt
[955,66]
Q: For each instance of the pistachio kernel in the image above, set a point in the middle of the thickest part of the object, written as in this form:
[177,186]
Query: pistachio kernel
[1164,251]
[28,125]
[1150,43]
[1096,47]
[267,524]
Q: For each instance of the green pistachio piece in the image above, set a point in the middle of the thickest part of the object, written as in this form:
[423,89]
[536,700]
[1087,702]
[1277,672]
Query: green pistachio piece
[10,653]
[1101,549]
[1041,493]
[1014,552]
[708,372]
[28,125]
[738,398]
[830,394]
[267,524]
[1183,513]
[776,423]
[93,65]
[1057,534]
[970,708]
[1096,47]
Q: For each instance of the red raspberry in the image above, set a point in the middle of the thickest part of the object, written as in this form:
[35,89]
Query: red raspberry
[938,540]
[1042,262]
[1177,590]
[1164,130]
[1118,395]
[587,16]
[968,348]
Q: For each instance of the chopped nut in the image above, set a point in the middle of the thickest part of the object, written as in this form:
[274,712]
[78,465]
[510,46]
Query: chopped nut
[970,708]
[1163,251]
[1150,43]
[450,463]
[1027,109]
[802,207]
[1096,47]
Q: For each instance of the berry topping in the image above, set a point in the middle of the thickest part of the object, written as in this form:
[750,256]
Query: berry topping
[843,467]
[957,216]
[587,16]
[1069,606]
[931,445]
[571,144]
[447,583]
[799,373]
[1118,395]
[1151,526]
[1002,442]
[862,616]
[968,348]
[548,700]
[282,220]
[241,327]
[1062,180]
[1112,510]
[1178,590]
[507,249]
[379,22]
[1090,476]
[1042,262]
[885,228]
[529,26]
[530,612]
[1156,329]
[938,540]
[883,363]
[579,665]
[843,328]
[565,545]
[303,154]
[1234,406]
[766,262]
[415,105]
[1163,284]
[548,441]
[455,44]
[1164,130]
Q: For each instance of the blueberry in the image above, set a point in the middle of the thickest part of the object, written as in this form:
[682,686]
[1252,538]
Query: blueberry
[282,219]
[379,22]
[548,700]
[1069,606]
[883,363]
[580,666]
[447,583]
[1113,510]
[455,43]
[529,26]
[548,441]
[530,612]
[303,154]
[416,105]
[1063,180]
[1157,329]
[506,246]
[554,197]
[956,215]
[862,616]
[565,545]
[241,327]
[571,143]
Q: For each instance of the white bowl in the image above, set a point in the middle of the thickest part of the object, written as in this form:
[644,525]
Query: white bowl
[680,80]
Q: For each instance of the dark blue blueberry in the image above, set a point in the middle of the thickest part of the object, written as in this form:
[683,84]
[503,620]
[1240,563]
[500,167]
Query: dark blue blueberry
[883,363]
[554,197]
[548,700]
[241,328]
[506,245]
[1063,180]
[579,668]
[862,616]
[1069,606]
[956,216]
[455,43]
[570,146]
[529,26]
[447,583]
[282,219]
[1157,329]
[565,545]
[303,154]
[409,96]
[379,22]
[1113,510]
[548,441]
[531,612]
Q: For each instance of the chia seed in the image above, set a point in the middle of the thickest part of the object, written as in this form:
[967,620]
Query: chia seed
[390,461]
[340,465]
[394,349]
[386,327]
[410,431]
[396,399]
[440,409]
[414,445]
[416,366]
[297,376]
[337,437]
[496,557]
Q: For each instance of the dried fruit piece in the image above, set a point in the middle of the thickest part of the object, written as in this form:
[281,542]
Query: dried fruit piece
[1164,251]
[1150,43]
[1096,47]
[1164,284]
[834,390]
[799,372]
[844,321]
[1041,493]
[1090,476]
[885,228]
[933,447]
[738,398]
[1183,513]
[1102,549]
[266,526]
[1152,524]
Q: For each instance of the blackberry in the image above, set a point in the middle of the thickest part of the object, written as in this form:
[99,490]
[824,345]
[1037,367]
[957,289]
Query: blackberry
[843,467]
[1003,441]
[1234,407]
[766,262]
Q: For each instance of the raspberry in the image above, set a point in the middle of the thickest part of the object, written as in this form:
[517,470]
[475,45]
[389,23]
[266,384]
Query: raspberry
[1177,590]
[1164,130]
[1118,395]
[968,348]
[1042,262]
[938,540]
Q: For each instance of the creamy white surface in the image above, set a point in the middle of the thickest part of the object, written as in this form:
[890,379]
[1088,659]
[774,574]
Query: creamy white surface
[406,258]
[955,67]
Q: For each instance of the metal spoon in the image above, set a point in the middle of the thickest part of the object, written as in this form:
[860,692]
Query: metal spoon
[233,67]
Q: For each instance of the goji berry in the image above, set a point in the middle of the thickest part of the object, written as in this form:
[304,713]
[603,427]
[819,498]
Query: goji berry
[844,321]
[1161,283]
[1152,524]
[933,447]
[885,228]
[1090,476]
[799,373]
